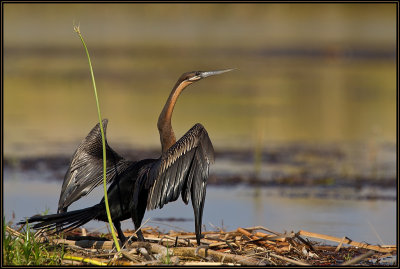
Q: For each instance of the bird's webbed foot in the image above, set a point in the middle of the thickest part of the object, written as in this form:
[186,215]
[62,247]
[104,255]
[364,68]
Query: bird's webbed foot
[140,236]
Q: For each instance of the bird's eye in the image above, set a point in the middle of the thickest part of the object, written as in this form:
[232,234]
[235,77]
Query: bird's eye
[196,76]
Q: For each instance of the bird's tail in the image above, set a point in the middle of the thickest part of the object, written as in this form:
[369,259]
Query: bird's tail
[64,221]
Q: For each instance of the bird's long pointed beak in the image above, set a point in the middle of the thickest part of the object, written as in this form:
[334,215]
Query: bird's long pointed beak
[217,72]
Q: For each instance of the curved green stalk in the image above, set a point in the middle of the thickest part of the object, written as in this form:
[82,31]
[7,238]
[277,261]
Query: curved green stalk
[76,28]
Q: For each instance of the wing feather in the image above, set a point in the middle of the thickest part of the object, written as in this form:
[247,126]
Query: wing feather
[174,172]
[182,170]
[86,168]
[186,190]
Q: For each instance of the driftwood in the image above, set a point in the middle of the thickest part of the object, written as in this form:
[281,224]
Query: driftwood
[108,245]
[216,256]
[346,241]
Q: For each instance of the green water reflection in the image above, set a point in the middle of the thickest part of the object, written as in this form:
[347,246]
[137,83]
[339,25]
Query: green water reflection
[313,73]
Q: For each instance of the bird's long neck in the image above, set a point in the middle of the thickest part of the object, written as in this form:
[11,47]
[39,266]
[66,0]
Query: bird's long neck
[167,135]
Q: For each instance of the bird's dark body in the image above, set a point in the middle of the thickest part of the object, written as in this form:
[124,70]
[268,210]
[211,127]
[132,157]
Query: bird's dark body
[182,170]
[121,192]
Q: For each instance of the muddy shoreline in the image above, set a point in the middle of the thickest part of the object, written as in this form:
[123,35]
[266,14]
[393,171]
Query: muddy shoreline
[289,171]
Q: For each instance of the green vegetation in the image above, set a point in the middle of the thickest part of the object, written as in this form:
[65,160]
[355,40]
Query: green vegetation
[103,140]
[167,258]
[25,249]
[347,256]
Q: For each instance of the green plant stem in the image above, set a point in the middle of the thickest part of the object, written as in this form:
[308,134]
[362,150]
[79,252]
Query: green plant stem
[76,28]
[81,259]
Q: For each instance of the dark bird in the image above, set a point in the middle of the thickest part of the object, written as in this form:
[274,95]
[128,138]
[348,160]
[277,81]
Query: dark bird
[182,169]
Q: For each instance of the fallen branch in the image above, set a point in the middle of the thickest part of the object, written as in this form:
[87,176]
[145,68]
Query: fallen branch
[108,245]
[340,244]
[346,241]
[216,256]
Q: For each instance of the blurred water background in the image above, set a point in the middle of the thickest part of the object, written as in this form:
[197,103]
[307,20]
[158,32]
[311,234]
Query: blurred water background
[312,103]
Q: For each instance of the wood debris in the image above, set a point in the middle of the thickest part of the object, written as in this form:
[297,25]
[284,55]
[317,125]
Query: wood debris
[243,246]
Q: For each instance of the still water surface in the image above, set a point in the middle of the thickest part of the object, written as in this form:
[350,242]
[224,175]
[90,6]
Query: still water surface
[372,221]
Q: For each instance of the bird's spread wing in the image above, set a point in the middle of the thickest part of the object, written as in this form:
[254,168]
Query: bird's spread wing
[182,169]
[86,168]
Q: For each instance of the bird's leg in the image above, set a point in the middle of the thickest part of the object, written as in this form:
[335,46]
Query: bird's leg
[140,235]
[121,235]
[138,232]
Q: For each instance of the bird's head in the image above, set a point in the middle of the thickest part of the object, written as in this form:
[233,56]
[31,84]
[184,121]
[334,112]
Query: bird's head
[194,76]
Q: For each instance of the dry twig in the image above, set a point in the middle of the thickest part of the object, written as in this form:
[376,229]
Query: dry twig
[346,241]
